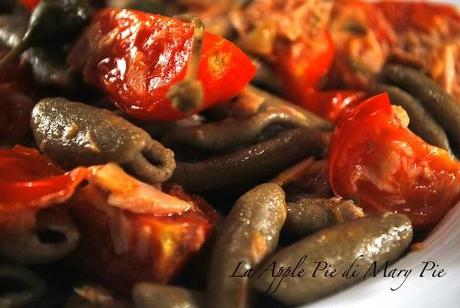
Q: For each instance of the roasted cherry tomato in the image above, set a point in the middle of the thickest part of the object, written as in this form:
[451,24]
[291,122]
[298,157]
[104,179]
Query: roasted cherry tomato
[362,37]
[29,181]
[135,57]
[292,36]
[329,104]
[30,4]
[303,64]
[376,160]
[423,16]
[135,247]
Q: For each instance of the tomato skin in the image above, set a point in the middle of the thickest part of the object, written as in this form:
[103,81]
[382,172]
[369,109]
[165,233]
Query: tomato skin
[303,64]
[292,37]
[30,4]
[379,162]
[29,182]
[329,104]
[135,57]
[423,16]
[153,255]
[362,37]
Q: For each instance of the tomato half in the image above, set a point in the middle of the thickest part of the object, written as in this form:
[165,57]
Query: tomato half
[135,247]
[30,4]
[304,63]
[362,37]
[292,37]
[29,181]
[135,57]
[422,16]
[376,160]
[329,104]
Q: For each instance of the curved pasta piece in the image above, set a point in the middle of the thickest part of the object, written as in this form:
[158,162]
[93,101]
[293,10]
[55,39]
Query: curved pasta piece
[255,162]
[232,133]
[27,289]
[147,295]
[307,214]
[54,238]
[252,100]
[74,134]
[309,176]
